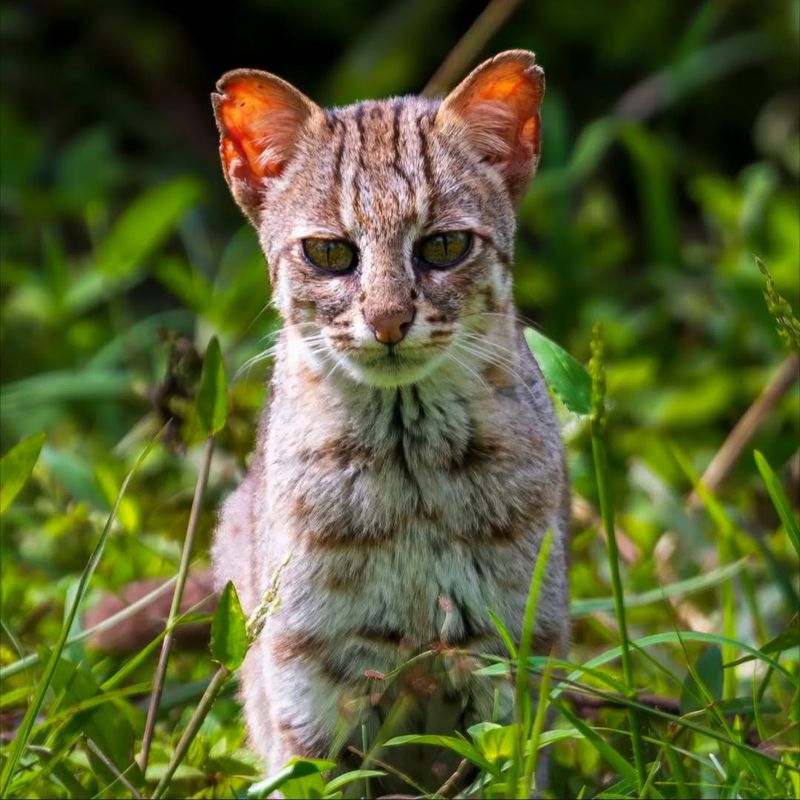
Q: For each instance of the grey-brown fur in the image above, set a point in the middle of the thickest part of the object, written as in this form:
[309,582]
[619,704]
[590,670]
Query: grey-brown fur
[410,485]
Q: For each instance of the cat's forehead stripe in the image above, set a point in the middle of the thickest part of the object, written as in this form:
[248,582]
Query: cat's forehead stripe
[381,145]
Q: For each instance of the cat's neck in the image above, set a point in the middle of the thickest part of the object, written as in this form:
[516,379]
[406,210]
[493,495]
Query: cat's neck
[434,417]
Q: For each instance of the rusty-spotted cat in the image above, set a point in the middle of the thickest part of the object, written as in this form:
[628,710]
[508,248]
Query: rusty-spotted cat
[409,460]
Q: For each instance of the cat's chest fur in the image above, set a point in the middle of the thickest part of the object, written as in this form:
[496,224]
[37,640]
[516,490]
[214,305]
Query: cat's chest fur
[407,512]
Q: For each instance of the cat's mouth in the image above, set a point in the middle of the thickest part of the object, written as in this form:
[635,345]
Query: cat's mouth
[392,365]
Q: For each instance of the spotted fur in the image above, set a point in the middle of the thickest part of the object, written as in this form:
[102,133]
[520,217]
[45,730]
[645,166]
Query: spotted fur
[411,484]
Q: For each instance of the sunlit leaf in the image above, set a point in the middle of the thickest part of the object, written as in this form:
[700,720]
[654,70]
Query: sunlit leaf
[212,396]
[300,778]
[16,466]
[356,775]
[229,630]
[568,379]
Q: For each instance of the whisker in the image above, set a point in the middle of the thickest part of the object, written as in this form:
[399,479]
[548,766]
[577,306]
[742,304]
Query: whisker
[491,348]
[449,353]
[521,318]
[471,347]
[273,350]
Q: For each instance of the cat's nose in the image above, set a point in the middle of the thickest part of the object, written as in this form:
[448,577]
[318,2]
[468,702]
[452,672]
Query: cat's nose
[391,328]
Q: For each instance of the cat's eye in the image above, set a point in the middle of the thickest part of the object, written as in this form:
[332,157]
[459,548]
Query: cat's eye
[331,255]
[442,250]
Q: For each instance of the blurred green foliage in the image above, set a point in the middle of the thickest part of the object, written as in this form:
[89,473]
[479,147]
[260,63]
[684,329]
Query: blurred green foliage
[671,158]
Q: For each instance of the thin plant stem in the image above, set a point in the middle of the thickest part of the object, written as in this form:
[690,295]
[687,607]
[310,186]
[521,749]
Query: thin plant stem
[488,22]
[203,707]
[112,768]
[746,427]
[390,769]
[598,432]
[445,788]
[183,574]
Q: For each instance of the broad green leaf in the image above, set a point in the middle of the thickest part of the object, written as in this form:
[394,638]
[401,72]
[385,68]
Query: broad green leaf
[568,379]
[299,778]
[212,396]
[710,674]
[16,467]
[356,775]
[498,743]
[229,630]
[460,746]
[558,735]
[479,730]
[779,500]
[145,224]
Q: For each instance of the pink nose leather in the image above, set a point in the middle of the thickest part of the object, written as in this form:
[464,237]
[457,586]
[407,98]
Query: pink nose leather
[391,328]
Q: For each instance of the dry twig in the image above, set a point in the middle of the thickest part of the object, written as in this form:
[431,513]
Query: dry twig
[746,427]
[469,46]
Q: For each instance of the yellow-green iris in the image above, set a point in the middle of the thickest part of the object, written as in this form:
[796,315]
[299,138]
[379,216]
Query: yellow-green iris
[332,255]
[444,249]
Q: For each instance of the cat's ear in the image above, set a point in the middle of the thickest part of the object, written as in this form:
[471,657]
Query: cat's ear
[500,102]
[260,118]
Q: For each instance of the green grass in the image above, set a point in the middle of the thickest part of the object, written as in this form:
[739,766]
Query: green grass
[668,164]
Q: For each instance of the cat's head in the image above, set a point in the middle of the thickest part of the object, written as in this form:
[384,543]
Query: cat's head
[388,225]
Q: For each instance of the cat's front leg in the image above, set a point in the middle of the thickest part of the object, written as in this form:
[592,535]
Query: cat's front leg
[312,712]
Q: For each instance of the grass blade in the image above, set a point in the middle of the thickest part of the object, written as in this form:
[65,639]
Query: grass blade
[598,429]
[779,500]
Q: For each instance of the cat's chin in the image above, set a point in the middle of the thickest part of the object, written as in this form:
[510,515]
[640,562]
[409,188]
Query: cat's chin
[390,371]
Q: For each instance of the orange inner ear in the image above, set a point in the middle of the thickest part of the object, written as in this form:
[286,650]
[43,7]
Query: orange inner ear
[236,110]
[519,88]
[245,111]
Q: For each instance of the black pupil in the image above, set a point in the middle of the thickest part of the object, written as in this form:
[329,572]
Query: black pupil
[329,254]
[444,249]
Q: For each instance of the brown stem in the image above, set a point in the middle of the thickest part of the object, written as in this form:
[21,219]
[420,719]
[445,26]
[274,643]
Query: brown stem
[445,788]
[183,573]
[488,22]
[745,428]
[389,768]
[112,768]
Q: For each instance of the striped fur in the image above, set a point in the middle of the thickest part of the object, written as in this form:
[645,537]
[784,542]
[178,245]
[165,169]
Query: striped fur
[411,485]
